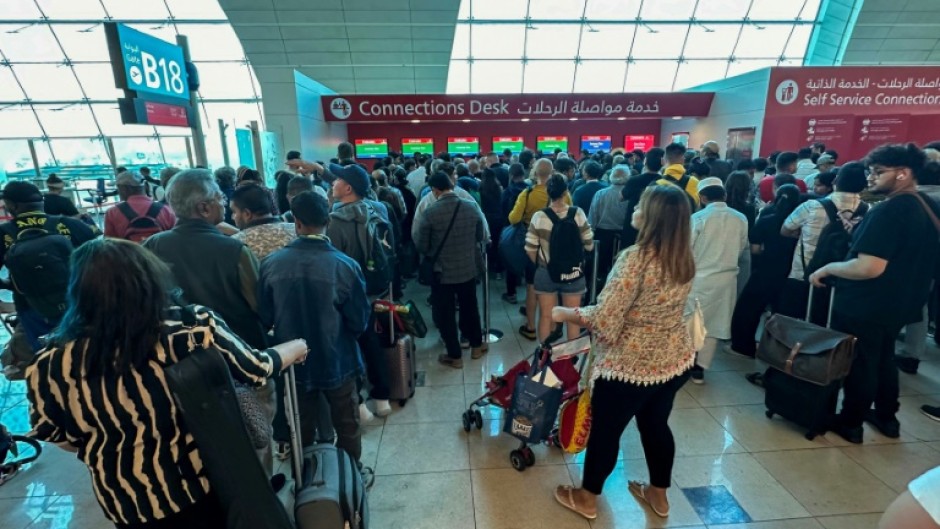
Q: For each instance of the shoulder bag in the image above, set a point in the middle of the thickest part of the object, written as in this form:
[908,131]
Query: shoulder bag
[426,274]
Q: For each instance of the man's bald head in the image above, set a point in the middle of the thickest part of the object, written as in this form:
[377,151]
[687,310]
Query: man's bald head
[544,169]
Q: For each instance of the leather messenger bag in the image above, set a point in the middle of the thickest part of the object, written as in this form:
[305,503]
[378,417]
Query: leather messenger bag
[806,351]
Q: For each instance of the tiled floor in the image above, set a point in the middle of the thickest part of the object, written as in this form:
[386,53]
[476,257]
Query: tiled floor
[734,468]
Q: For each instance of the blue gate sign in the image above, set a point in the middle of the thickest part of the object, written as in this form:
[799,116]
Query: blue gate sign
[143,63]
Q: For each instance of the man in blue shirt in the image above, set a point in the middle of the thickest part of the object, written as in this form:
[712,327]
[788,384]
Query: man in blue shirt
[311,290]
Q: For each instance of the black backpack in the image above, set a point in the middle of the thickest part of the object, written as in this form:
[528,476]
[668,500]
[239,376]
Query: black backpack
[379,254]
[38,261]
[140,227]
[566,249]
[681,184]
[835,240]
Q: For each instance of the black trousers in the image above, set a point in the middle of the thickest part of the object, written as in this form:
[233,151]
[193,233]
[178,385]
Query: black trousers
[374,358]
[758,293]
[794,297]
[608,247]
[443,306]
[874,374]
[206,513]
[613,404]
[344,414]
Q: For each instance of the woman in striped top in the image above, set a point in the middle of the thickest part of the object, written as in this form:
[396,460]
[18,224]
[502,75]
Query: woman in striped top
[537,247]
[100,390]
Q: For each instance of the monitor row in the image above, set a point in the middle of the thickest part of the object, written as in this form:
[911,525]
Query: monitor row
[470,145]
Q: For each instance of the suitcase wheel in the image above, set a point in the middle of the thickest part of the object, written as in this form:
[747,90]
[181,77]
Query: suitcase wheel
[522,458]
[769,414]
[478,419]
[467,422]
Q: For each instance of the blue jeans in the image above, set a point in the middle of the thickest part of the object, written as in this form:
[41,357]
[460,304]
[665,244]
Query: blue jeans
[35,326]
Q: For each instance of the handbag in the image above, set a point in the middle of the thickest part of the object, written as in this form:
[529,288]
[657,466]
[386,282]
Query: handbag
[512,244]
[533,409]
[574,423]
[806,351]
[695,323]
[257,420]
[407,318]
[426,274]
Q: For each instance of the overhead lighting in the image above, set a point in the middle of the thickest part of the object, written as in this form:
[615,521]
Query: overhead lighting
[621,118]
[416,121]
[572,119]
[465,120]
[524,119]
[676,117]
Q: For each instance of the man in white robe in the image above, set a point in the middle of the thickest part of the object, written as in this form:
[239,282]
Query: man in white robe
[719,246]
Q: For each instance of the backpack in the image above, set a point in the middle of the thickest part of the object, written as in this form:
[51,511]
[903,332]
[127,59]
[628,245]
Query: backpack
[836,238]
[140,227]
[681,184]
[566,250]
[379,254]
[38,261]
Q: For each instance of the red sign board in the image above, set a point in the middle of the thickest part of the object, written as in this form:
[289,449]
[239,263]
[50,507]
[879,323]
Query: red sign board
[417,140]
[164,114]
[644,142]
[513,107]
[850,89]
[508,139]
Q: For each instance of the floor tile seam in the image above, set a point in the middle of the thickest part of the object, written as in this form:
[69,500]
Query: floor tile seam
[431,472]
[790,491]
[863,467]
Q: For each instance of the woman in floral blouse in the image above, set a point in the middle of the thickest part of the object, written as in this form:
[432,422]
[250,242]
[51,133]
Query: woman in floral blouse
[642,350]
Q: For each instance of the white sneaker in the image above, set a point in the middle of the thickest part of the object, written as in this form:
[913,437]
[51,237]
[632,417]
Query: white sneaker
[382,408]
[364,414]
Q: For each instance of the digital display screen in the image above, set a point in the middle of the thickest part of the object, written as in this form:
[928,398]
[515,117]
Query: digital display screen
[548,144]
[513,143]
[593,144]
[463,145]
[412,146]
[372,148]
[644,142]
[143,112]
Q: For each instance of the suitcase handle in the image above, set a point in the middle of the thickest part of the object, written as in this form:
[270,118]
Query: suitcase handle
[809,302]
[292,410]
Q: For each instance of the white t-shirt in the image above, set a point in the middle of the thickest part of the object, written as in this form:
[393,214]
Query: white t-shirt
[810,218]
[926,490]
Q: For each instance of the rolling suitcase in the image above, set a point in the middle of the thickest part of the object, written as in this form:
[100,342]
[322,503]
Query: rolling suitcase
[803,381]
[329,492]
[399,352]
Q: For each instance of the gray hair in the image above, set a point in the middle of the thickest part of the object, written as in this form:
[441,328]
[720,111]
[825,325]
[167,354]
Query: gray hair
[190,188]
[618,159]
[167,173]
[617,173]
[225,175]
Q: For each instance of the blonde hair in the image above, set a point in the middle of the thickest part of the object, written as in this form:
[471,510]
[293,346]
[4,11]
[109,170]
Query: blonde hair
[666,231]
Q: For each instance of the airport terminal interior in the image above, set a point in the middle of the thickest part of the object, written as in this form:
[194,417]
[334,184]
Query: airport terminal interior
[98,92]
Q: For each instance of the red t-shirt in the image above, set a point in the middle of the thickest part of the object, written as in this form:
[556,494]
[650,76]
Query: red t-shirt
[115,223]
[766,188]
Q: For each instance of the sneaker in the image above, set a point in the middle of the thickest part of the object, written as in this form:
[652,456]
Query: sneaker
[932,412]
[382,408]
[510,298]
[478,352]
[364,414]
[282,450]
[907,364]
[450,361]
[528,334]
[698,374]
[888,427]
[755,378]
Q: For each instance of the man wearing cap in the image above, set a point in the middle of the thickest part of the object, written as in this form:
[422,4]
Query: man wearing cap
[349,234]
[25,203]
[719,246]
[710,155]
[134,203]
[458,265]
[824,164]
[54,202]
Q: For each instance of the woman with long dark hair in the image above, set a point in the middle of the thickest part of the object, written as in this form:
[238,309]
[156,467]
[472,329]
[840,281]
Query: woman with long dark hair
[100,389]
[642,353]
[281,178]
[491,193]
[738,188]
[771,253]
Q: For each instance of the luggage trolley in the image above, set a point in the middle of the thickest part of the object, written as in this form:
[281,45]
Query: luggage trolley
[561,358]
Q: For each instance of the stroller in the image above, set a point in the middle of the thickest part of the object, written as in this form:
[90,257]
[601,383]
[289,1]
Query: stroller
[501,391]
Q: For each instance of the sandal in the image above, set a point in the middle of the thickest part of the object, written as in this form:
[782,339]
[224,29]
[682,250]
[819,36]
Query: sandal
[7,472]
[564,494]
[638,489]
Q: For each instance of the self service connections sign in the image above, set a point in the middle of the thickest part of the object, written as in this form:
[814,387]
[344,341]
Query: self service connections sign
[146,64]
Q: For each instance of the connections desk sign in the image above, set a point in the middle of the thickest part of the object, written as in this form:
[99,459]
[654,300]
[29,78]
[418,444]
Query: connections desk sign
[145,64]
[514,107]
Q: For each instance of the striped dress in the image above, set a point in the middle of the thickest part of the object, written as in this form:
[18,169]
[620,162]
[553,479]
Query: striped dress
[143,461]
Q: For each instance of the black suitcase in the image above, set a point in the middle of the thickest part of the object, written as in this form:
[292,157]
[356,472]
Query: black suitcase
[809,405]
[202,387]
[329,491]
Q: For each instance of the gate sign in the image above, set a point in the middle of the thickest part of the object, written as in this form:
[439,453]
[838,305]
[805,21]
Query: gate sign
[143,63]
